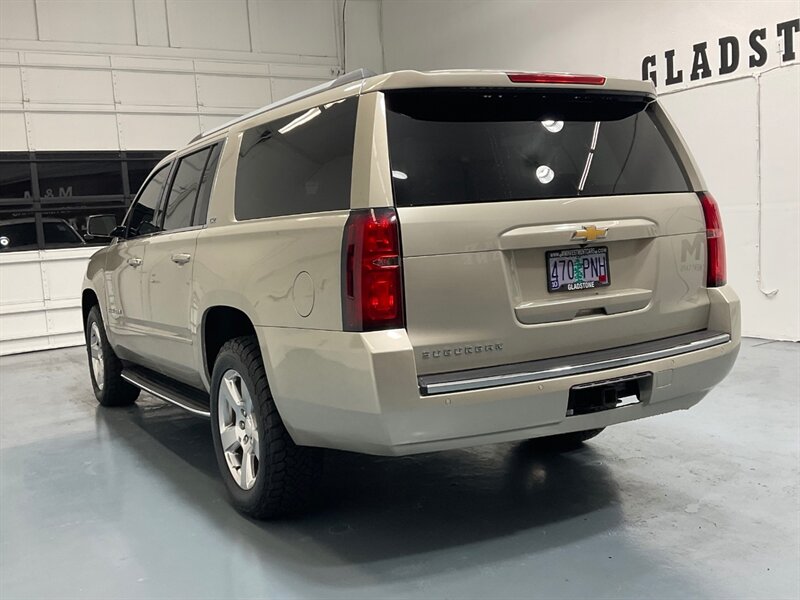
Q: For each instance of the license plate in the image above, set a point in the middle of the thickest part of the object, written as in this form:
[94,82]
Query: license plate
[577,269]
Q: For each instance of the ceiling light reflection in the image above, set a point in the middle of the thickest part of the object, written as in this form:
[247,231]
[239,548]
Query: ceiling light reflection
[302,119]
[553,126]
[545,174]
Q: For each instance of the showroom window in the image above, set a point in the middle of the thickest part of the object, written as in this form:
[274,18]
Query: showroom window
[46,197]
[298,164]
[15,176]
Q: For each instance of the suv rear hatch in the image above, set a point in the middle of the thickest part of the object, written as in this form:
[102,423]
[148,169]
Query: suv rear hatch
[538,223]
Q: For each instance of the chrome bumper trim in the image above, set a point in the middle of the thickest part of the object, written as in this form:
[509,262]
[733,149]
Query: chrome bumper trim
[576,364]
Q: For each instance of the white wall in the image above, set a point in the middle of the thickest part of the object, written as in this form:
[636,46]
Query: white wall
[364,47]
[743,128]
[142,75]
[151,74]
[40,304]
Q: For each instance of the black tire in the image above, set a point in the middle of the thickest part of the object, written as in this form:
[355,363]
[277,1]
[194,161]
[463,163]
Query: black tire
[287,475]
[565,441]
[113,390]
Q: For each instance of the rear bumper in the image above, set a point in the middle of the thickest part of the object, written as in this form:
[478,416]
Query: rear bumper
[577,364]
[360,392]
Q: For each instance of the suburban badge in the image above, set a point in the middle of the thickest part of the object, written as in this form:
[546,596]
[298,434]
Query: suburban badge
[461,350]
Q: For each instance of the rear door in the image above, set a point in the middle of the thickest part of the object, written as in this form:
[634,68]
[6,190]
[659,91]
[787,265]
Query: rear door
[169,266]
[541,223]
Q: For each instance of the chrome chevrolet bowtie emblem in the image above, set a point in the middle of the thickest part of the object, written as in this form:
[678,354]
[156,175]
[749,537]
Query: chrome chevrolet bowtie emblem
[589,233]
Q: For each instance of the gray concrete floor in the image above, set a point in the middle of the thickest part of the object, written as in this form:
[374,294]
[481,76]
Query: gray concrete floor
[127,503]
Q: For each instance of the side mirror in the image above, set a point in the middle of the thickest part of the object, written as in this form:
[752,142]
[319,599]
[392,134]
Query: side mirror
[100,227]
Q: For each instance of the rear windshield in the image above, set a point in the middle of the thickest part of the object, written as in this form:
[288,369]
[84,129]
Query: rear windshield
[466,146]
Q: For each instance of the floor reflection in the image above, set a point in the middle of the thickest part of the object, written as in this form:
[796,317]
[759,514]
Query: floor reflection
[376,508]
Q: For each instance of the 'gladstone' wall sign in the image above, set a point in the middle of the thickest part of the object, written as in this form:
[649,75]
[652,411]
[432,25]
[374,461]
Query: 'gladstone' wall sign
[730,56]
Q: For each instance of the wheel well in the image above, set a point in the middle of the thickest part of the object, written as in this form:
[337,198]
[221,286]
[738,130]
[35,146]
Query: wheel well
[88,300]
[222,323]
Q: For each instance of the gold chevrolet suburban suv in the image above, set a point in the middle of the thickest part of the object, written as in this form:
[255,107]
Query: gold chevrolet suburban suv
[413,262]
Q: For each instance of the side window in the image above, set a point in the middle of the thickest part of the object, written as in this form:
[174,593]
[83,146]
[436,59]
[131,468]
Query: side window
[203,197]
[142,219]
[183,192]
[299,164]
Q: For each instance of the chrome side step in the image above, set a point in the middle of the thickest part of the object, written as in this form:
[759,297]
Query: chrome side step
[184,396]
[576,364]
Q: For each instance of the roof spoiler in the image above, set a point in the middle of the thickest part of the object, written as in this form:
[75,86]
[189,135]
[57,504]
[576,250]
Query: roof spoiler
[350,77]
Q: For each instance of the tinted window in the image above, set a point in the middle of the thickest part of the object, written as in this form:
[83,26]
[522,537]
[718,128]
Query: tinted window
[183,193]
[142,219]
[18,235]
[15,177]
[58,232]
[451,147]
[300,164]
[76,217]
[85,175]
[203,197]
[67,187]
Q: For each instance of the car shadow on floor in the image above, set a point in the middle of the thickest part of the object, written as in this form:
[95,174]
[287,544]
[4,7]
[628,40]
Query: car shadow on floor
[376,509]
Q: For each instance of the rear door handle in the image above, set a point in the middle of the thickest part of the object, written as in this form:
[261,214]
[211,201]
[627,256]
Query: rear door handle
[135,262]
[181,259]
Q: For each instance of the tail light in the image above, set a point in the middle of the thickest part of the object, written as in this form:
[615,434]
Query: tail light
[558,78]
[372,282]
[715,242]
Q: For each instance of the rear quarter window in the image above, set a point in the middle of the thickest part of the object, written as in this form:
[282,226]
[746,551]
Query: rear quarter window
[299,164]
[466,146]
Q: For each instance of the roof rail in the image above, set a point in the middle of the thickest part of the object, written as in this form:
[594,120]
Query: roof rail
[350,77]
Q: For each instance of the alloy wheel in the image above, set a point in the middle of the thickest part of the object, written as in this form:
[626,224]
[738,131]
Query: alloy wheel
[96,352]
[238,429]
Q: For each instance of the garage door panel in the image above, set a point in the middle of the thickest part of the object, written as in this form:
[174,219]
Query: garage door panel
[209,122]
[221,91]
[64,278]
[20,279]
[13,136]
[157,132]
[68,86]
[155,89]
[73,131]
[282,88]
[10,84]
